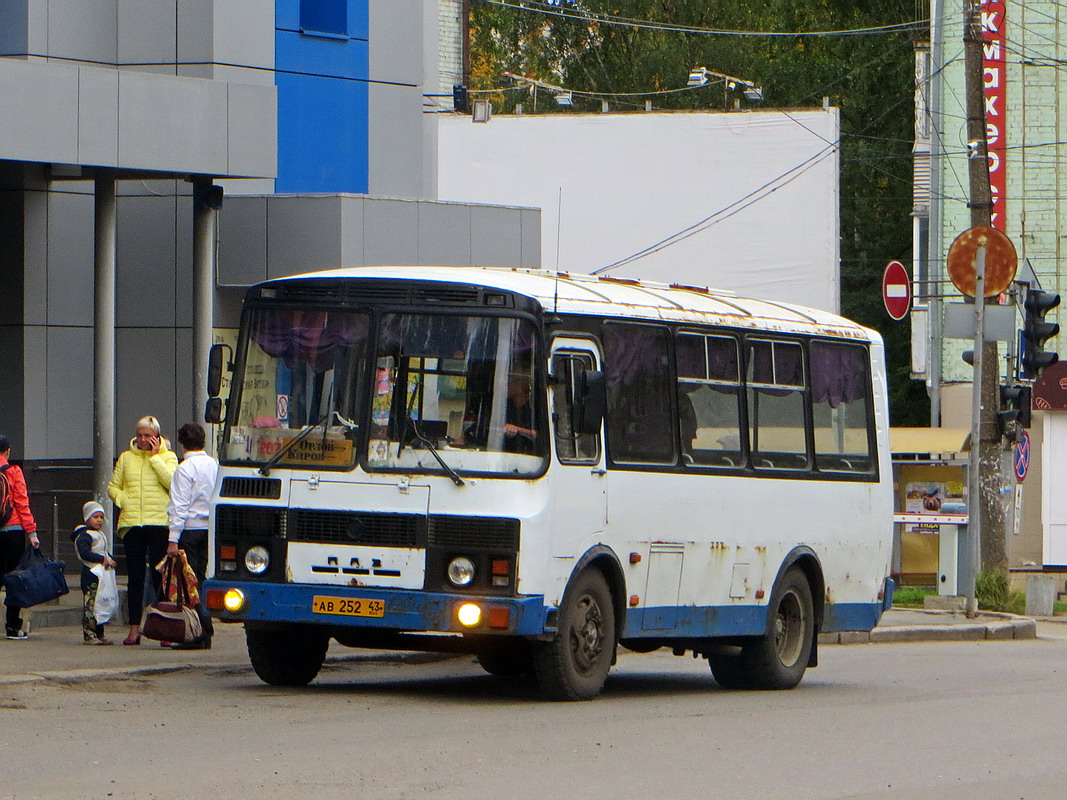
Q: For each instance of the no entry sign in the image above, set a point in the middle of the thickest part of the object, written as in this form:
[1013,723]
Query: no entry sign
[896,290]
[1021,456]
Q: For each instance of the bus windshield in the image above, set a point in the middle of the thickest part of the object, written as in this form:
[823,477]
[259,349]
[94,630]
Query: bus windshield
[399,392]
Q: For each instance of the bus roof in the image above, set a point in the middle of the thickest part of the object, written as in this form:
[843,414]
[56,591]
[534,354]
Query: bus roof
[575,293]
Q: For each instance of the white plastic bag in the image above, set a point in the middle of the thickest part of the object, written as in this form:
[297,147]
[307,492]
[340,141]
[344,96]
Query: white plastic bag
[107,595]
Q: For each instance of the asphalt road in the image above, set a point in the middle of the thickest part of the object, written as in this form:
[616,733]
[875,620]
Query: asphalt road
[931,720]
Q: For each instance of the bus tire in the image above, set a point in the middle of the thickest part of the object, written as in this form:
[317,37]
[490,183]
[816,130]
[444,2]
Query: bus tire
[777,660]
[730,672]
[286,657]
[507,659]
[575,664]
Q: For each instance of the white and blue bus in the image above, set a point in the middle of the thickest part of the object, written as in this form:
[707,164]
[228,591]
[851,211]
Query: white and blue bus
[539,468]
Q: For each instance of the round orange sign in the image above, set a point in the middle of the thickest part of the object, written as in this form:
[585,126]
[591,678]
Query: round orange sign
[1000,260]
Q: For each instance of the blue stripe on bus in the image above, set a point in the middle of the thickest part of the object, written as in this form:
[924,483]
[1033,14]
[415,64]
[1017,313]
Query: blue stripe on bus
[851,616]
[741,620]
[404,610]
[428,611]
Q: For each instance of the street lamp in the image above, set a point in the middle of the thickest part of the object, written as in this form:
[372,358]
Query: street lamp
[699,76]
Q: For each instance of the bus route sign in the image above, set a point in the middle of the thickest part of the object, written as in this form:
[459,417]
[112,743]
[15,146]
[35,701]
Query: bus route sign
[1020,456]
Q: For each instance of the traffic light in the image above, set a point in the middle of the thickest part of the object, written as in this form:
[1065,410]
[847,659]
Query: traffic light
[459,98]
[1036,332]
[1014,410]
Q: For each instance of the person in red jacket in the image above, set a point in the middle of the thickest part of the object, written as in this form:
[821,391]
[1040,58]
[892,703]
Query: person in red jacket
[14,531]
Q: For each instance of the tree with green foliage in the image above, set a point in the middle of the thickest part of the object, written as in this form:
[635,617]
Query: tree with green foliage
[869,76]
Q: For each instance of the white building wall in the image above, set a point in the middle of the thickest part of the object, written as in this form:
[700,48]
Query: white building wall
[751,197]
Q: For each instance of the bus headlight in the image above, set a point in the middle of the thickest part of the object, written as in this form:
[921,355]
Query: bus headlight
[469,614]
[460,571]
[234,600]
[257,559]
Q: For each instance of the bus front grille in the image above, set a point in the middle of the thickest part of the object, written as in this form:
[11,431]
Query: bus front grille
[259,488]
[403,530]
[354,527]
[491,533]
[247,521]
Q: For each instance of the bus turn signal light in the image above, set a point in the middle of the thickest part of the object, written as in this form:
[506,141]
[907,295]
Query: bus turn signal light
[213,599]
[499,617]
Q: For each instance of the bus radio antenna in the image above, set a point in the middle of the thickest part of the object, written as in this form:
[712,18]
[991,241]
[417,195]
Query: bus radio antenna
[555,287]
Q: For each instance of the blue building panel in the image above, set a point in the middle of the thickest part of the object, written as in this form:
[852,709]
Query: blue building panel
[322,135]
[323,109]
[321,55]
[288,15]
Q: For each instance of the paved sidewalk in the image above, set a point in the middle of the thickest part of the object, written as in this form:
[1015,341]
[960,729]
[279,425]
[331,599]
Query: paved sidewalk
[919,625]
[55,651]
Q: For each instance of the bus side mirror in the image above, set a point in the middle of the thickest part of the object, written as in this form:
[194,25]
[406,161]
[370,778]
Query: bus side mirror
[213,411]
[592,403]
[216,362]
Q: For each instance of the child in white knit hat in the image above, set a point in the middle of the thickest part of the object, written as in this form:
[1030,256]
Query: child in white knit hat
[91,544]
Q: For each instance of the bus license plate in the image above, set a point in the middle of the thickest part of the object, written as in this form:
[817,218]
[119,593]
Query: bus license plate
[348,606]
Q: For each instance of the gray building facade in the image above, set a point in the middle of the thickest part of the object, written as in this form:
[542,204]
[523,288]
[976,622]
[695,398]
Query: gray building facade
[116,113]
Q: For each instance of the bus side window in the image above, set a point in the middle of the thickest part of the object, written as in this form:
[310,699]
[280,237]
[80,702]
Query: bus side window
[777,395]
[709,415]
[571,447]
[840,381]
[640,422]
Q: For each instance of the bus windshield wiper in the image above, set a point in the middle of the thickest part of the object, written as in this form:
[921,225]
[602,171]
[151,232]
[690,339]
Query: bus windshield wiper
[285,448]
[414,426]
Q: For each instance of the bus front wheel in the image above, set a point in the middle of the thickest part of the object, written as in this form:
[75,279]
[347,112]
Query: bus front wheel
[575,664]
[506,659]
[777,659]
[284,657]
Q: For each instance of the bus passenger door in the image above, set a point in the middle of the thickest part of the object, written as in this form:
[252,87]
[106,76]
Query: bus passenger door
[579,498]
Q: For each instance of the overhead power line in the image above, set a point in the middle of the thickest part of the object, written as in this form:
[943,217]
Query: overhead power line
[556,10]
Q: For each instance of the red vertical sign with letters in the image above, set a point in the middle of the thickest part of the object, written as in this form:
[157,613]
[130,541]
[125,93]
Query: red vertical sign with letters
[993,80]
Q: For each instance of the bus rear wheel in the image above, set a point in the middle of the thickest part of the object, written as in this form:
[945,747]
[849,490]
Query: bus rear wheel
[575,664]
[778,659]
[286,657]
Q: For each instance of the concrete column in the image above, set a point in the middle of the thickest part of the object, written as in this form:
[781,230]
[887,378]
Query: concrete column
[206,202]
[104,338]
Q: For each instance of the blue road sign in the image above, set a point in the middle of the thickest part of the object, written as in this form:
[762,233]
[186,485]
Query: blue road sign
[1020,456]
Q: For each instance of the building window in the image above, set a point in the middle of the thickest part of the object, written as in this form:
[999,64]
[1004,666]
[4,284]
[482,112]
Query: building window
[324,16]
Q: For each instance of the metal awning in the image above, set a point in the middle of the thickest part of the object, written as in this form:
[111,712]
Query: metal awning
[926,441]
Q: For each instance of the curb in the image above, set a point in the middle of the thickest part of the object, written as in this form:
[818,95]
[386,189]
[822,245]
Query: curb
[1002,629]
[121,673]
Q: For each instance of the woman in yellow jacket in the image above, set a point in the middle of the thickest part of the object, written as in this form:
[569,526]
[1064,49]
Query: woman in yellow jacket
[140,486]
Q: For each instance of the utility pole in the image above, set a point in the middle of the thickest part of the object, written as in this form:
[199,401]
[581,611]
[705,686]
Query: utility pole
[988,533]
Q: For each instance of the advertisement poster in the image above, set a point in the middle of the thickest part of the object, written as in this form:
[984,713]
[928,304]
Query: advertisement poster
[934,497]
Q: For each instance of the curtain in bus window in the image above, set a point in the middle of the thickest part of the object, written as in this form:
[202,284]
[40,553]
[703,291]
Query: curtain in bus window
[839,389]
[308,337]
[709,416]
[838,373]
[640,425]
[776,400]
[425,335]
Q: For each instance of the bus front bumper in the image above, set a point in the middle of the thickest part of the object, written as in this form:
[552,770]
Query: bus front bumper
[365,607]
